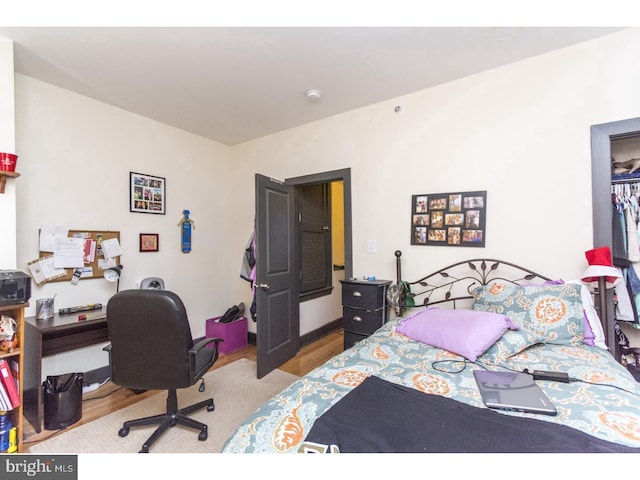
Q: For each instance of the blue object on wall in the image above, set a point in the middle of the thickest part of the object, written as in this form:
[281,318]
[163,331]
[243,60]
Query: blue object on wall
[186,225]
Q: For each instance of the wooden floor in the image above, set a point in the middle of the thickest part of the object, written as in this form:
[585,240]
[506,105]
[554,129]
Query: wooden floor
[109,397]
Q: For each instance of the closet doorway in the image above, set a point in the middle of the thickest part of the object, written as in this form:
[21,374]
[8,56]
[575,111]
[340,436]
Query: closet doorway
[603,137]
[607,141]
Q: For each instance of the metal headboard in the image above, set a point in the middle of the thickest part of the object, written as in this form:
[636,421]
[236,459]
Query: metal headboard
[455,282]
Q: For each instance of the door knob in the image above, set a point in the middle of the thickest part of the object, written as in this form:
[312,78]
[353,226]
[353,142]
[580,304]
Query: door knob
[263,286]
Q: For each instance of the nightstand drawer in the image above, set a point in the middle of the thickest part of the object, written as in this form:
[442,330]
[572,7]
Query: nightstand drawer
[364,322]
[350,339]
[362,295]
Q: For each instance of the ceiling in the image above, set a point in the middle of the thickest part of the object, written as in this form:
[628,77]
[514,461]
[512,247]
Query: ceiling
[233,84]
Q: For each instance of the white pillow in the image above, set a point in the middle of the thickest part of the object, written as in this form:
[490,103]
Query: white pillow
[592,315]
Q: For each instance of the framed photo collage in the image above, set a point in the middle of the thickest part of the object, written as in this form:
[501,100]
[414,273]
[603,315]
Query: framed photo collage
[449,219]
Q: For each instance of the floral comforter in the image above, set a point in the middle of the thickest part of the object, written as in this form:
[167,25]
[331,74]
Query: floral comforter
[603,401]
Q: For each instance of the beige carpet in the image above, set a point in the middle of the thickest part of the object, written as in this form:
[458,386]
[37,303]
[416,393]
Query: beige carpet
[236,393]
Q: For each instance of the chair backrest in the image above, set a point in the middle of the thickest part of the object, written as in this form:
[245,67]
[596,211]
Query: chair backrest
[150,339]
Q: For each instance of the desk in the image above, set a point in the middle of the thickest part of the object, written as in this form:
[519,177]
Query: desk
[48,337]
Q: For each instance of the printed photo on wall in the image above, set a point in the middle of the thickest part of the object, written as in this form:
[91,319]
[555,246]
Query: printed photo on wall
[147,194]
[455,219]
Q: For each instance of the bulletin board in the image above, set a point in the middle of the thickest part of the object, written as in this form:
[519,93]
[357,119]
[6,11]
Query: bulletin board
[95,270]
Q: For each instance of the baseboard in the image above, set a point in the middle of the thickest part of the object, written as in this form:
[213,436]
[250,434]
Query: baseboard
[318,333]
[312,336]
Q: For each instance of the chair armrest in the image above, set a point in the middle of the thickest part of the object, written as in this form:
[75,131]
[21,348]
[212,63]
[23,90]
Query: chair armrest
[202,358]
[203,343]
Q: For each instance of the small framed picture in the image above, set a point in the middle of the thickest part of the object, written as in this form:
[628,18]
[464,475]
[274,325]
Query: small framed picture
[147,194]
[149,242]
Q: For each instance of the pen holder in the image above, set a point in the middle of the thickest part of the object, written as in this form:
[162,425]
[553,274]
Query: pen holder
[44,309]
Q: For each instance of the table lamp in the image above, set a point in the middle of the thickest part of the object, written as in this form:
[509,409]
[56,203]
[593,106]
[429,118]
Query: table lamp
[602,275]
[113,275]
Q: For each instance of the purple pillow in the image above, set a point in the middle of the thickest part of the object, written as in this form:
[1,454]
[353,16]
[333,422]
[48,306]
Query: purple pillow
[464,332]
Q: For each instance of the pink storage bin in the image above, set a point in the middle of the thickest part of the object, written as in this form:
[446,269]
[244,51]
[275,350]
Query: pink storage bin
[234,333]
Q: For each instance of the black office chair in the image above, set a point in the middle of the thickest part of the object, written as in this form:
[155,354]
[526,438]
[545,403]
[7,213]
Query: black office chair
[152,349]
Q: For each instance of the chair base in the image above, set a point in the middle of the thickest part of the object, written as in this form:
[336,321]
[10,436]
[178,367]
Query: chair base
[172,417]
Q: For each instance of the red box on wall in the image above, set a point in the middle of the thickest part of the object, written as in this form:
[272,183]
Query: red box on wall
[234,333]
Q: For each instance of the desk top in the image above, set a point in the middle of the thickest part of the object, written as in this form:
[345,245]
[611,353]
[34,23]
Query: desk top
[68,321]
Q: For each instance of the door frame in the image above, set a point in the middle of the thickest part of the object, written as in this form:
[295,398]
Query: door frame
[343,175]
[601,137]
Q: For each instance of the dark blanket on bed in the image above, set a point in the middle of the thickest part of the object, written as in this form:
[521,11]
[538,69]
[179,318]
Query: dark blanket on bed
[380,416]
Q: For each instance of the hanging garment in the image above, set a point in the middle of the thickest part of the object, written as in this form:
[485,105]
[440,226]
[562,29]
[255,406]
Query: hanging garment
[633,279]
[248,267]
[248,271]
[625,309]
[618,250]
[633,249]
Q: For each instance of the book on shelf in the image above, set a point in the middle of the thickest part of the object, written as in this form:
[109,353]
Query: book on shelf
[14,366]
[5,403]
[9,383]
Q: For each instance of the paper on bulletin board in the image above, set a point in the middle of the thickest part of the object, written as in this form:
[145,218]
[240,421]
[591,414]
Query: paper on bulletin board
[69,253]
[42,270]
[48,236]
[89,250]
[111,248]
[103,264]
[86,272]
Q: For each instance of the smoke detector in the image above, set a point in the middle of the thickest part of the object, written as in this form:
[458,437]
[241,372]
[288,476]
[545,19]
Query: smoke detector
[313,95]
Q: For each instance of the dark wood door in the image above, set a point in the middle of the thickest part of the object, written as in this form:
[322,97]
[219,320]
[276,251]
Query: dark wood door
[277,303]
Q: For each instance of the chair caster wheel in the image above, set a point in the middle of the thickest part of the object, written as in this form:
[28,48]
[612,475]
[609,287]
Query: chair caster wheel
[144,450]
[203,436]
[123,432]
[201,387]
[210,408]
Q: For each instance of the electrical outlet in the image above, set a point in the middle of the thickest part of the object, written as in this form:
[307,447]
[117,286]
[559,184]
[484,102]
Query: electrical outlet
[372,247]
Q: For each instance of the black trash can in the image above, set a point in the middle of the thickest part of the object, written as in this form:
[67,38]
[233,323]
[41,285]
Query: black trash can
[62,400]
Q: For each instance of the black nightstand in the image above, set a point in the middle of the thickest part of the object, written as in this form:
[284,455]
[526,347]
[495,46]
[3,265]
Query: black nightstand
[364,308]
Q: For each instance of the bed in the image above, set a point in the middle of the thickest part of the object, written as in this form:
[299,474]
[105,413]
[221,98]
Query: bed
[409,387]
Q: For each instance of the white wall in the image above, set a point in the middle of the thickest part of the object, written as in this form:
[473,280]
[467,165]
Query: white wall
[7,144]
[521,132]
[75,159]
